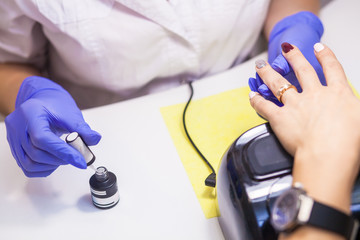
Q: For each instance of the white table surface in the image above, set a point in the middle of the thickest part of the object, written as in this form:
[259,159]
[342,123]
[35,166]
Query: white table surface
[157,200]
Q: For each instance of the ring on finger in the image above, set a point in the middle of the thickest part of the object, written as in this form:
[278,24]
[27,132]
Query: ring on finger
[283,89]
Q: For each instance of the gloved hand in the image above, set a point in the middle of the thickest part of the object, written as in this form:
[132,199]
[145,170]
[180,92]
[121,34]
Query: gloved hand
[303,30]
[43,112]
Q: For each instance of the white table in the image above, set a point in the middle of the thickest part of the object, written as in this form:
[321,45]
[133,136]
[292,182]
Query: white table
[157,200]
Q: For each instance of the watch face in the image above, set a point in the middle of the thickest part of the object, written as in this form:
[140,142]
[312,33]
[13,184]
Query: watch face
[285,210]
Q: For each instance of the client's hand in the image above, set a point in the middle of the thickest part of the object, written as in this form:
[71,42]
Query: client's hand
[320,126]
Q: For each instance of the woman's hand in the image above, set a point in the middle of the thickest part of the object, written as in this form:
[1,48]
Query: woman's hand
[320,127]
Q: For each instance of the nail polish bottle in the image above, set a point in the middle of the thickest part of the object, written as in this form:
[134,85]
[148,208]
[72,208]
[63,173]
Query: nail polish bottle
[74,140]
[104,190]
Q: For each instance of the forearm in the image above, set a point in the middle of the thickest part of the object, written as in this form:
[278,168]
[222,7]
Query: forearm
[326,184]
[282,8]
[11,77]
[304,233]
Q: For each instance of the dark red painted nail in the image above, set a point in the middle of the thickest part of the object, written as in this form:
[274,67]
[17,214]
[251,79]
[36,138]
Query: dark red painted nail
[286,47]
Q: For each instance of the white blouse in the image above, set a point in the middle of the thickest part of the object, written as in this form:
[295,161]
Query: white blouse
[104,51]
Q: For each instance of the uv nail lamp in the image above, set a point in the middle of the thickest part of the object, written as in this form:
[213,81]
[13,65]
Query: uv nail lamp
[253,172]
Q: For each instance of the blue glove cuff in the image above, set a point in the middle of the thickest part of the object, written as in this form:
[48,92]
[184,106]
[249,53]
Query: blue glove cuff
[32,85]
[304,17]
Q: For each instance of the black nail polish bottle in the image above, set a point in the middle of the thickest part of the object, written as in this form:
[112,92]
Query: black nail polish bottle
[104,190]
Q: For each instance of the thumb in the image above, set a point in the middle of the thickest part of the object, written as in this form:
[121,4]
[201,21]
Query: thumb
[252,84]
[268,95]
[255,83]
[265,91]
[281,65]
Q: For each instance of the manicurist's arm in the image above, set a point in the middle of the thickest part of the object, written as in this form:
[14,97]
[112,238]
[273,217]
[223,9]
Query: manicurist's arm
[11,77]
[280,9]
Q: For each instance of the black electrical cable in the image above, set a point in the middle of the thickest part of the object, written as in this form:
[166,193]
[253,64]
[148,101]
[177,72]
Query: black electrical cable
[210,181]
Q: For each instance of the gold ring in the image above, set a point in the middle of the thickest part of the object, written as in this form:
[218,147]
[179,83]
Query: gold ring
[283,89]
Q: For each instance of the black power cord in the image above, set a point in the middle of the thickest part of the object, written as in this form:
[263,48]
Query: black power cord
[210,181]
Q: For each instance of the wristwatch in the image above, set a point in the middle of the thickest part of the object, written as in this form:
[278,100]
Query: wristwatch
[294,208]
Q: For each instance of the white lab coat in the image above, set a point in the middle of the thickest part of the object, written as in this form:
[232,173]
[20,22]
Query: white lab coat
[104,51]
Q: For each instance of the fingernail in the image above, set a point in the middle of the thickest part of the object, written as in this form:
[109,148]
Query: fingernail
[286,47]
[260,63]
[252,94]
[318,47]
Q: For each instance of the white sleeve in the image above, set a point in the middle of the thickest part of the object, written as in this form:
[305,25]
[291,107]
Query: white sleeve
[21,38]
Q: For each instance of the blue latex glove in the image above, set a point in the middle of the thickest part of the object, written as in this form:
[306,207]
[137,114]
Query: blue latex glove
[303,30]
[43,112]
